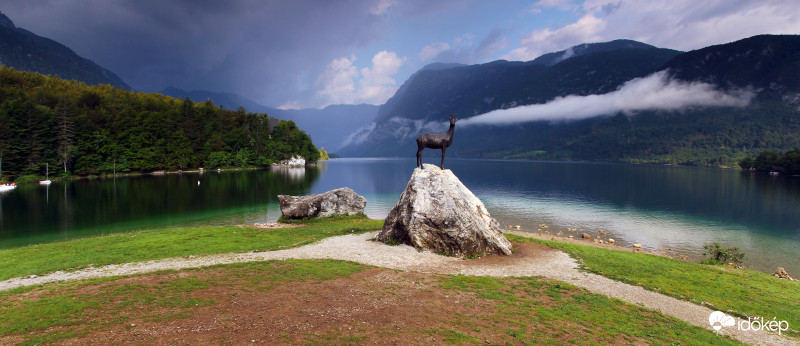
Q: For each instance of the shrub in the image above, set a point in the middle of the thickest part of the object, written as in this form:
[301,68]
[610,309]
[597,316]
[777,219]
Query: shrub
[716,254]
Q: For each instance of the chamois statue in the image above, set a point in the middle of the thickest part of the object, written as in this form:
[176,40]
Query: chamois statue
[436,141]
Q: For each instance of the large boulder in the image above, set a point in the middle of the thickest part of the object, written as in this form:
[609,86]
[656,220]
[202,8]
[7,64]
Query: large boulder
[342,201]
[437,212]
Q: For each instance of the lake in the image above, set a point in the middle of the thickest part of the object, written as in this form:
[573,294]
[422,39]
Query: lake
[659,207]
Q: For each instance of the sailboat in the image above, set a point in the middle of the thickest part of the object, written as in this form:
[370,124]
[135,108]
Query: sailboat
[5,187]
[46,177]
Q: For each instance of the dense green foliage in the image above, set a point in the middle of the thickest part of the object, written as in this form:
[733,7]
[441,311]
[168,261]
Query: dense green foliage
[716,254]
[323,155]
[81,129]
[769,161]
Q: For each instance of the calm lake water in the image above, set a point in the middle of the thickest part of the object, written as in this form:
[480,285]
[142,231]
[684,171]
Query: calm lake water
[663,207]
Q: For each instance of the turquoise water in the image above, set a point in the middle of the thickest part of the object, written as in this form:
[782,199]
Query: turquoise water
[660,207]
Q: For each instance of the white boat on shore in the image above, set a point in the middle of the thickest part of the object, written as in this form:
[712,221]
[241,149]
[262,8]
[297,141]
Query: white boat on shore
[5,187]
[47,177]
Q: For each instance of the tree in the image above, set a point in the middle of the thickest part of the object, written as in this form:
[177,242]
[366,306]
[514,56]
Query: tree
[102,129]
[765,160]
[791,162]
[747,163]
[65,131]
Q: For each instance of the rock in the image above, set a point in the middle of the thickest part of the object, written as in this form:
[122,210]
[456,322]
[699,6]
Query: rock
[586,236]
[342,201]
[611,241]
[637,246]
[781,273]
[437,212]
[295,161]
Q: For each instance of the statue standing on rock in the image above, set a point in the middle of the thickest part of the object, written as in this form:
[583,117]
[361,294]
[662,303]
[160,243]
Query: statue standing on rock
[436,141]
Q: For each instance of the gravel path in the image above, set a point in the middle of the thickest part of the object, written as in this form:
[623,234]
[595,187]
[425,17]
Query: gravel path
[538,261]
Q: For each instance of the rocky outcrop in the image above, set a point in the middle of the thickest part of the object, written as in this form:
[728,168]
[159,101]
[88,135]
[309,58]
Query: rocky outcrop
[342,201]
[782,274]
[437,212]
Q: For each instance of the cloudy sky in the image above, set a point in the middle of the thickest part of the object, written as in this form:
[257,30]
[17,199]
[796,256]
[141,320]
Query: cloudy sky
[298,54]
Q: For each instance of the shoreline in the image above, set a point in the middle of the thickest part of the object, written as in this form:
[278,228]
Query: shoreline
[162,172]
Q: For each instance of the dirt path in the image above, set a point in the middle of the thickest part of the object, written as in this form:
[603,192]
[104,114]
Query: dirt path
[528,260]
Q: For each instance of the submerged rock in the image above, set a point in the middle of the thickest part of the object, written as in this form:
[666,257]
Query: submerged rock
[342,201]
[437,212]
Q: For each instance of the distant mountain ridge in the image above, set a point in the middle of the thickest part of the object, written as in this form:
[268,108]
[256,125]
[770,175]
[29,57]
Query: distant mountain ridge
[328,127]
[767,65]
[551,59]
[26,51]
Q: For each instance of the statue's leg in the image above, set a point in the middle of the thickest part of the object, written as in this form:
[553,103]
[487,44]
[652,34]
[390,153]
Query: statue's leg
[442,164]
[419,157]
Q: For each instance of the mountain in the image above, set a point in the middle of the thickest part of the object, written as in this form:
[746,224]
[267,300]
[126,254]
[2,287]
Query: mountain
[26,51]
[763,66]
[223,100]
[476,89]
[328,127]
[78,129]
[768,62]
[551,59]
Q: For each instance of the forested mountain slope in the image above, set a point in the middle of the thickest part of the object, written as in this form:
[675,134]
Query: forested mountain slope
[80,129]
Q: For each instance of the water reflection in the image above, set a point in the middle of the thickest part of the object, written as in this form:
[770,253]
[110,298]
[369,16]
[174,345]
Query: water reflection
[657,206]
[85,207]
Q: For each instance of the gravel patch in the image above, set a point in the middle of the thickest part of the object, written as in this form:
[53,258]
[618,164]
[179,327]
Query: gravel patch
[532,260]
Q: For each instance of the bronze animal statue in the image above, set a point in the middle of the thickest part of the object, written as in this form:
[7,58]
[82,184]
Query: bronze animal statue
[436,141]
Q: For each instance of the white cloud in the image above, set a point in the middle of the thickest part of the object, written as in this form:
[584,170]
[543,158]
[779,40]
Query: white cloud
[337,85]
[377,84]
[359,135]
[655,92]
[676,24]
[291,105]
[432,50]
[541,41]
[337,82]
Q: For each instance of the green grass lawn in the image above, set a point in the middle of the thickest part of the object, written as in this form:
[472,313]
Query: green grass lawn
[740,292]
[170,242]
[736,291]
[504,310]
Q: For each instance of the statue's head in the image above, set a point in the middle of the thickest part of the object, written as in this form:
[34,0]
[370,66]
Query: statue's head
[453,120]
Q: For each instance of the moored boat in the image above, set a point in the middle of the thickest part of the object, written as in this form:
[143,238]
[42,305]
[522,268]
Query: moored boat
[47,177]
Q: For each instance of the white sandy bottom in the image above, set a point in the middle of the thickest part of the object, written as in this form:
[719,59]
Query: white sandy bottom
[359,248]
